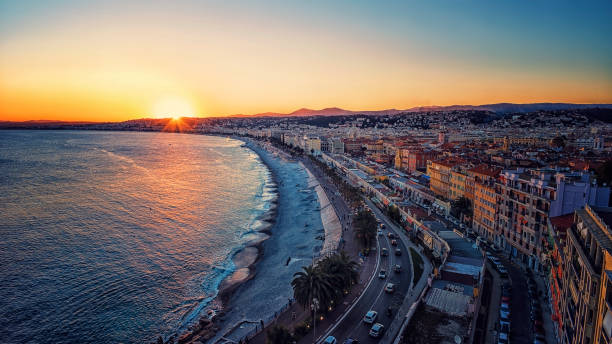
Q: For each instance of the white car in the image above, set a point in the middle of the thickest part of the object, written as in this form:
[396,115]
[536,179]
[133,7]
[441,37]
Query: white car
[390,288]
[330,340]
[376,330]
[503,338]
[370,317]
[382,274]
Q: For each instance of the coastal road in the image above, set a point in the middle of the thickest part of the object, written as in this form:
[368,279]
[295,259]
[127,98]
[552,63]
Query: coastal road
[374,297]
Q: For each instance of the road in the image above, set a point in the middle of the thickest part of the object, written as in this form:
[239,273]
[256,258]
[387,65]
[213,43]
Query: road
[374,297]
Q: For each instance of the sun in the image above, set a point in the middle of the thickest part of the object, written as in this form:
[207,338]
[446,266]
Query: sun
[172,107]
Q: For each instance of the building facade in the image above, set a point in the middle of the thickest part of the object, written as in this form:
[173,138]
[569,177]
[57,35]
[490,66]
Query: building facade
[588,244]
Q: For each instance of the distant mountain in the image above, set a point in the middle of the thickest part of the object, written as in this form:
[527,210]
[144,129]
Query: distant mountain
[497,108]
[333,111]
[509,107]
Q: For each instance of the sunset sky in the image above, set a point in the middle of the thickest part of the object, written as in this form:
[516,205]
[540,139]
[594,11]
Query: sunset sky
[118,60]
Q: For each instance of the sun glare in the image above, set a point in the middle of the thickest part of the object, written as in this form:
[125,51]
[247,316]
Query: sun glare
[172,107]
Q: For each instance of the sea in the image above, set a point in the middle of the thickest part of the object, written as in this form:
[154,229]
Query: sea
[120,237]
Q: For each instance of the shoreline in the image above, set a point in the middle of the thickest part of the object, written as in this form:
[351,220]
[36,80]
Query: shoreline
[245,264]
[246,259]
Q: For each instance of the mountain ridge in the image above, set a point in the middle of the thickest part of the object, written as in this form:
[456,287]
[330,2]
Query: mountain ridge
[496,107]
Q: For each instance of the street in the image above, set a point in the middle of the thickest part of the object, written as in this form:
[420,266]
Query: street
[374,297]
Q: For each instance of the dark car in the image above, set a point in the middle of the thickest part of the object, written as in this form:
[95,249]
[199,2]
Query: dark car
[351,341]
[394,242]
[398,252]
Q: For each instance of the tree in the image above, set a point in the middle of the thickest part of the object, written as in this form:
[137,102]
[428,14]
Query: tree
[604,173]
[461,206]
[365,227]
[278,334]
[312,283]
[342,271]
[394,213]
[558,141]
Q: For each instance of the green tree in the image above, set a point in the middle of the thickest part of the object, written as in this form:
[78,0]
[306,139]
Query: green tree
[278,334]
[558,141]
[461,206]
[342,271]
[365,228]
[312,283]
[604,173]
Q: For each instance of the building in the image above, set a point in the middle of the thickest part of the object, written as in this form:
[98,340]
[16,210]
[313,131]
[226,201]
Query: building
[484,201]
[585,309]
[439,172]
[413,159]
[336,146]
[526,199]
[457,183]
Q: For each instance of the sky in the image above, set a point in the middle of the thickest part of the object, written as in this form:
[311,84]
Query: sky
[119,60]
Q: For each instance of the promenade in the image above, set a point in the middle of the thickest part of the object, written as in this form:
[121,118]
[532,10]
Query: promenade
[296,314]
[344,315]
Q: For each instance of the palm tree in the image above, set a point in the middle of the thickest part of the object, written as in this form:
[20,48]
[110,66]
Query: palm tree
[279,335]
[365,227]
[312,283]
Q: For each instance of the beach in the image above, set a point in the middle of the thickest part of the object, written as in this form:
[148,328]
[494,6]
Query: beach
[290,235]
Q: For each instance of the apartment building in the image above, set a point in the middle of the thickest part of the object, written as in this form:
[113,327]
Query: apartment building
[484,201]
[457,182]
[585,309]
[412,159]
[439,172]
[526,199]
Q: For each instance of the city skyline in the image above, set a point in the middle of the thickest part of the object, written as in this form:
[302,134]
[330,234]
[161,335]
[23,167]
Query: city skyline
[114,62]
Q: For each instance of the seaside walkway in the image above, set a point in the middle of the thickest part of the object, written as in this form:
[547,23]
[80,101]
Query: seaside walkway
[296,314]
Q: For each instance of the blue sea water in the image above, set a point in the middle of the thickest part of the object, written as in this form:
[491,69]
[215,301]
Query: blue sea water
[112,237]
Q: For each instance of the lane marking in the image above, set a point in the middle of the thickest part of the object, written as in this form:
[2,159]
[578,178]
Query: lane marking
[346,313]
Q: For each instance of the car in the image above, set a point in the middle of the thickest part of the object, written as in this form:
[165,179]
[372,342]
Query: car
[380,232]
[370,317]
[504,315]
[382,225]
[394,242]
[390,235]
[503,338]
[382,274]
[505,298]
[350,341]
[384,252]
[398,252]
[504,326]
[330,340]
[504,306]
[397,268]
[390,288]
[502,271]
[376,330]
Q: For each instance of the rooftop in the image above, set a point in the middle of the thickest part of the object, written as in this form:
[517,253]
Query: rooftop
[459,246]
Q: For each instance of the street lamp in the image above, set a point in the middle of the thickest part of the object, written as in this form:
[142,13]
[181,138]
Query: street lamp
[314,306]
